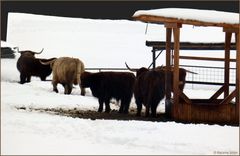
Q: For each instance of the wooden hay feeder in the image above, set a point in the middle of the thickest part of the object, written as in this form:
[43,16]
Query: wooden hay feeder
[181,108]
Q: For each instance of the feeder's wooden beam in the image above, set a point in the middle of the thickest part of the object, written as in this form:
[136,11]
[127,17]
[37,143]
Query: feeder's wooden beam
[191,45]
[228,99]
[172,25]
[185,97]
[231,30]
[217,94]
[161,19]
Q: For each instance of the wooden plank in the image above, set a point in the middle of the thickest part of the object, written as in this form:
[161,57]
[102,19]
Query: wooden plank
[228,99]
[184,97]
[231,30]
[228,36]
[172,25]
[167,71]
[176,33]
[191,45]
[161,19]
[205,58]
[217,94]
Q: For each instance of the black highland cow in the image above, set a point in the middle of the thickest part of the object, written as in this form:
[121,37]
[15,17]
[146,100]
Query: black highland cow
[149,90]
[29,66]
[107,85]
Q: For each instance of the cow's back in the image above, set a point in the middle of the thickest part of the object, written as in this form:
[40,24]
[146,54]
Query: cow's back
[65,69]
[150,86]
[115,84]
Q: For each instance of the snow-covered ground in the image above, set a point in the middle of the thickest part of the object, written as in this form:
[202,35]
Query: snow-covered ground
[98,43]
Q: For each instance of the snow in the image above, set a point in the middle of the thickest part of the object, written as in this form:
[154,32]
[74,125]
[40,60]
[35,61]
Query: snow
[35,132]
[212,16]
[5,44]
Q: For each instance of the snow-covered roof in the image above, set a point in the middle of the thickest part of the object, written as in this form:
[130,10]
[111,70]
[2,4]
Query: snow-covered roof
[189,16]
[6,44]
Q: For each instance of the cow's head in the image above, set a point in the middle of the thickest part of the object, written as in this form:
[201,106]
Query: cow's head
[138,71]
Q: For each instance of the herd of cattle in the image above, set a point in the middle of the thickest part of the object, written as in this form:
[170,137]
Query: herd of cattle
[148,86]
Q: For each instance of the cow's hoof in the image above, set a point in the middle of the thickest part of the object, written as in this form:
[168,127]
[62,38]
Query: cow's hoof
[100,110]
[107,111]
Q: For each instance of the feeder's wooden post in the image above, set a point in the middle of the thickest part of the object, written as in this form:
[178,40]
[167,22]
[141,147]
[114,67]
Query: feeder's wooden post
[176,33]
[228,36]
[167,72]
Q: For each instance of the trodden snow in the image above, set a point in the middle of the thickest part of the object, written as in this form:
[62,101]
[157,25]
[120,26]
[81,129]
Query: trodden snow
[98,43]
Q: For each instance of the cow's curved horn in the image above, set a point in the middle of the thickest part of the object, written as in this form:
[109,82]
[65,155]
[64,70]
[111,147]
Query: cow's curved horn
[31,51]
[133,70]
[39,52]
[47,62]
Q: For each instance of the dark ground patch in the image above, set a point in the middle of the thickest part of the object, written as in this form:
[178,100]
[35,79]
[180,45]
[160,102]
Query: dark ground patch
[93,115]
[113,115]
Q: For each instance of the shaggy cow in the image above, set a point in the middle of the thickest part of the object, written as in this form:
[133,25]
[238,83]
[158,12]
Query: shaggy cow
[29,66]
[66,71]
[150,87]
[107,85]
[182,75]
[149,90]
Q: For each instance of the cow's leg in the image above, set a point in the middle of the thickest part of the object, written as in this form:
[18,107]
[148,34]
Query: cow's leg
[139,107]
[121,108]
[154,110]
[83,91]
[28,78]
[43,78]
[54,83]
[100,108]
[107,105]
[67,88]
[70,86]
[147,110]
[126,102]
[22,78]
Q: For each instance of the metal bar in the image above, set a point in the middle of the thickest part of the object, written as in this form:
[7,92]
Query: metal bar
[205,58]
[190,66]
[209,83]
[204,67]
[155,58]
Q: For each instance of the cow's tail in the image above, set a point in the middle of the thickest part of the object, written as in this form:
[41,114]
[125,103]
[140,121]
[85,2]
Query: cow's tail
[80,70]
